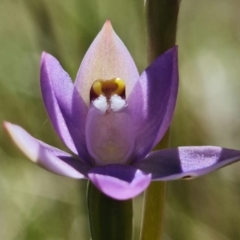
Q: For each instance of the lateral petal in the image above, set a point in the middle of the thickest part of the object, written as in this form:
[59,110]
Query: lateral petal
[64,105]
[48,157]
[159,83]
[186,162]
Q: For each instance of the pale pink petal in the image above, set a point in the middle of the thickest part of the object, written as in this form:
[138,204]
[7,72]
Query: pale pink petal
[106,58]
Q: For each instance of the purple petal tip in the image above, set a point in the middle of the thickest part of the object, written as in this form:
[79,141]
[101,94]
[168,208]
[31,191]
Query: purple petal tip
[119,182]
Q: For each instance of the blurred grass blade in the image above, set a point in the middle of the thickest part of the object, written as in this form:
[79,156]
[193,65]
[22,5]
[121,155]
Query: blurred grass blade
[109,219]
[161,21]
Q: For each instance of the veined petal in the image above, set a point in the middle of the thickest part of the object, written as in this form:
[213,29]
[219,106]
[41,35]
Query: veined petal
[106,58]
[186,162]
[159,84]
[64,105]
[120,182]
[48,157]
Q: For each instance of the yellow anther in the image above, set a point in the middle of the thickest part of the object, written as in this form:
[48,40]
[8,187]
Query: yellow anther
[120,86]
[97,87]
[109,87]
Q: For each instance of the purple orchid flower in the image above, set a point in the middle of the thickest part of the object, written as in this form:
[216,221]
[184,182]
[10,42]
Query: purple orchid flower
[111,119]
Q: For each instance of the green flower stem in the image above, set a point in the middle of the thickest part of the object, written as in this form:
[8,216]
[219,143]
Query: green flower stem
[109,219]
[153,205]
[161,21]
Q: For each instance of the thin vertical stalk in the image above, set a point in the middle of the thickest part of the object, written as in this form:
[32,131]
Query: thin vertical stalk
[161,23]
[109,219]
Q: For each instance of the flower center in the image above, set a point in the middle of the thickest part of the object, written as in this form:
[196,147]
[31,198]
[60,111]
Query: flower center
[109,127]
[107,88]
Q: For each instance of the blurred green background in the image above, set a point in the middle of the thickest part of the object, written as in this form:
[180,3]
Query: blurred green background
[35,204]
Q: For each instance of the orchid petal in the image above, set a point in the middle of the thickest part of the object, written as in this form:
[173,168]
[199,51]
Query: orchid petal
[171,87]
[109,136]
[48,157]
[120,182]
[186,162]
[135,104]
[106,58]
[159,85]
[64,105]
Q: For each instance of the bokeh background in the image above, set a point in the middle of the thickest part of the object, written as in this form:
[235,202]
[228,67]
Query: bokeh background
[35,204]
